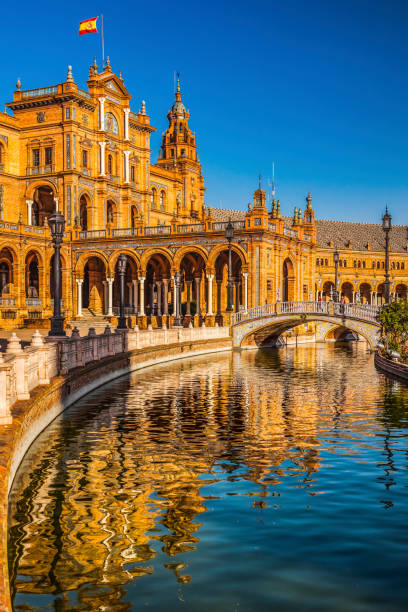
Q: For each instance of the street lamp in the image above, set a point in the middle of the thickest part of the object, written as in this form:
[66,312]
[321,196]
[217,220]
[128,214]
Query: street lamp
[229,234]
[122,262]
[336,259]
[177,289]
[386,225]
[56,222]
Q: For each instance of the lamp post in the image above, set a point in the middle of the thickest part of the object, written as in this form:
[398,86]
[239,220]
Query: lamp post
[177,287]
[56,222]
[386,225]
[229,234]
[122,261]
[336,259]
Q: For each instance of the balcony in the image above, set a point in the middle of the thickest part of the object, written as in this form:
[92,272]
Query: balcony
[36,170]
[157,230]
[221,226]
[93,234]
[130,231]
[7,301]
[290,232]
[193,228]
[36,93]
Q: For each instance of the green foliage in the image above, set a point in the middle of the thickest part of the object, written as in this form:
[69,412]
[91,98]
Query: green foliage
[394,319]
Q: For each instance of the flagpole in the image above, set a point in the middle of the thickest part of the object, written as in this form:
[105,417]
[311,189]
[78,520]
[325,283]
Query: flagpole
[103,45]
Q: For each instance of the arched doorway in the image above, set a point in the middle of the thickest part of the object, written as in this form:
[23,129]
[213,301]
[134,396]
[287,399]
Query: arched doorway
[6,271]
[328,290]
[365,293]
[288,281]
[130,287]
[401,291]
[93,285]
[43,205]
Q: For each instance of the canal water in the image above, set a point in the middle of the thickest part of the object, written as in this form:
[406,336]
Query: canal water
[254,481]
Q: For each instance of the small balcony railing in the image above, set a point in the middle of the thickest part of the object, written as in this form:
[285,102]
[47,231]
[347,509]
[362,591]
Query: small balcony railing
[157,230]
[33,301]
[7,301]
[93,234]
[192,228]
[130,231]
[222,225]
[36,93]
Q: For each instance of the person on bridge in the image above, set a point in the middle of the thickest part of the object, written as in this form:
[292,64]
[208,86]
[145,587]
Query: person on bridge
[342,302]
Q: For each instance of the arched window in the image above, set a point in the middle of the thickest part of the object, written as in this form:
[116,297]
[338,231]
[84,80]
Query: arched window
[181,128]
[133,217]
[162,200]
[109,212]
[110,164]
[2,156]
[83,214]
[153,198]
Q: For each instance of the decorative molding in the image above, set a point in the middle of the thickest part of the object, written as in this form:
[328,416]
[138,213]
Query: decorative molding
[159,186]
[86,182]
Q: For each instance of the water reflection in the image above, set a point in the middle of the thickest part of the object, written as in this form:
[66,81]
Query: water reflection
[212,478]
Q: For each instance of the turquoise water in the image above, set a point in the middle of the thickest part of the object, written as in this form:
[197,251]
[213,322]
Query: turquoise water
[269,480]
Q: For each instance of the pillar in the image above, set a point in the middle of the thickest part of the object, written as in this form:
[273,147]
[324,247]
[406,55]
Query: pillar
[135,296]
[142,298]
[29,212]
[237,284]
[188,306]
[245,275]
[159,295]
[110,296]
[130,289]
[126,166]
[102,114]
[219,283]
[210,278]
[197,280]
[165,296]
[126,112]
[102,146]
[79,296]
[105,295]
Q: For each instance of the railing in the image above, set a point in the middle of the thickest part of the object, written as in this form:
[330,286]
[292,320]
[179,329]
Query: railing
[192,228]
[33,301]
[7,301]
[84,93]
[157,230]
[93,234]
[287,231]
[366,312]
[5,225]
[130,231]
[35,93]
[129,310]
[221,225]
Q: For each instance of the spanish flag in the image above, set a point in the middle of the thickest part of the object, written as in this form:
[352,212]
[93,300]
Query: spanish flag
[88,26]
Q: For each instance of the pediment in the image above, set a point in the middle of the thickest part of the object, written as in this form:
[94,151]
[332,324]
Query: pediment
[114,85]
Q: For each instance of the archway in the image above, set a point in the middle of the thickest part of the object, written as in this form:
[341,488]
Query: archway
[288,281]
[221,277]
[401,291]
[43,205]
[93,285]
[328,290]
[157,286]
[342,334]
[365,292]
[192,267]
[347,291]
[130,287]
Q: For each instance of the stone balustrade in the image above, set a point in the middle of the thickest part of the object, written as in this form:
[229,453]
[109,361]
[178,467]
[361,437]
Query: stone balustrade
[21,370]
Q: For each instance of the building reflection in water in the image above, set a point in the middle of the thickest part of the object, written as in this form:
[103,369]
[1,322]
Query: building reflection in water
[128,473]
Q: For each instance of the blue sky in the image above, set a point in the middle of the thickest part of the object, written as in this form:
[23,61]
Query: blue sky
[318,87]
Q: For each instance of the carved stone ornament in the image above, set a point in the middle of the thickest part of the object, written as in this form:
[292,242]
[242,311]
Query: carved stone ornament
[41,117]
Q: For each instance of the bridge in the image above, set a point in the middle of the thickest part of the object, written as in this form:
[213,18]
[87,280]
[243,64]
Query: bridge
[262,325]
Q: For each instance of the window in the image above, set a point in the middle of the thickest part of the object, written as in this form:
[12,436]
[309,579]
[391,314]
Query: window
[48,156]
[110,164]
[132,174]
[153,198]
[84,158]
[67,113]
[326,262]
[402,265]
[181,128]
[355,264]
[162,199]
[1,157]
[172,152]
[183,152]
[36,158]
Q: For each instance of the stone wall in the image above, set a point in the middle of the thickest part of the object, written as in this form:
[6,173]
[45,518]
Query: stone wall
[29,415]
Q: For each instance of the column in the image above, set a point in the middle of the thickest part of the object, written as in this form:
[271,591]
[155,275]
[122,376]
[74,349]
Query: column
[188,305]
[126,166]
[105,296]
[165,282]
[245,275]
[142,298]
[102,146]
[372,297]
[56,203]
[152,297]
[237,284]
[126,112]
[197,280]
[219,282]
[353,298]
[29,211]
[135,296]
[159,295]
[130,289]
[210,278]
[110,296]
[102,114]
[79,296]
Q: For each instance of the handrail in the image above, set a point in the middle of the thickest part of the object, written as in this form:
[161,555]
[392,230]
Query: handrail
[367,312]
